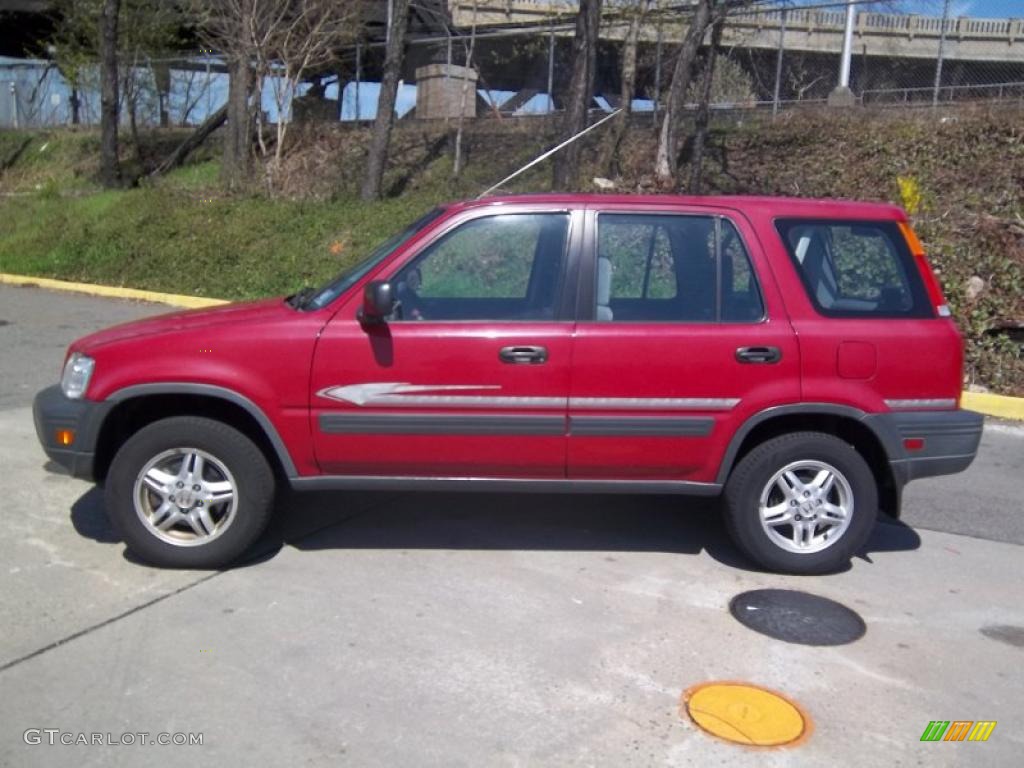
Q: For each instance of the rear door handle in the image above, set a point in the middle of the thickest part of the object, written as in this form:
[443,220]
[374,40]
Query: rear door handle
[523,355]
[758,354]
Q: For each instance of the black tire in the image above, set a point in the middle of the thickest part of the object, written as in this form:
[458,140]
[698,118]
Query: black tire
[751,477]
[247,515]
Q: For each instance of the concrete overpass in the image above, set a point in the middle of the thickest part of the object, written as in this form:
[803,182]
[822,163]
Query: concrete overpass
[812,31]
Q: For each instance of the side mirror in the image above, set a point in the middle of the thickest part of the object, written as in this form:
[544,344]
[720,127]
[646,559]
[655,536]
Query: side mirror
[378,302]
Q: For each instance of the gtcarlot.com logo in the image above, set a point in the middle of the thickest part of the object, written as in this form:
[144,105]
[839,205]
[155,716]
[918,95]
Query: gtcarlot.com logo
[54,736]
[958,730]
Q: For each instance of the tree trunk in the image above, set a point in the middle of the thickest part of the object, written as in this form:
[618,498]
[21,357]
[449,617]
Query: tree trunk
[162,79]
[581,92]
[458,160]
[628,87]
[703,109]
[110,171]
[667,160]
[385,120]
[76,104]
[237,139]
[208,126]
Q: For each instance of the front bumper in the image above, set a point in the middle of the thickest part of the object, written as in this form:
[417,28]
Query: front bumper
[950,439]
[51,411]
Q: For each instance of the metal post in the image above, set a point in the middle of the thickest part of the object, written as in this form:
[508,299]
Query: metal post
[844,67]
[942,45]
[14,104]
[551,69]
[657,73]
[778,64]
[359,74]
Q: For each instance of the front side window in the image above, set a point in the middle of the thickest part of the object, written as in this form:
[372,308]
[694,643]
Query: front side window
[505,267]
[856,269]
[673,268]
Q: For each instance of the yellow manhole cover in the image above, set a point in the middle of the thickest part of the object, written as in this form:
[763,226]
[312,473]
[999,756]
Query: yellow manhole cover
[746,714]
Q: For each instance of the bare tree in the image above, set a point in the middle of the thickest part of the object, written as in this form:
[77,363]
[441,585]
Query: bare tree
[636,13]
[703,105]
[666,163]
[581,91]
[234,28]
[110,169]
[304,37]
[385,120]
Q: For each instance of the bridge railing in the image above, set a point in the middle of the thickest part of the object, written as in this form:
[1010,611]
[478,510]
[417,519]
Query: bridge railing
[512,12]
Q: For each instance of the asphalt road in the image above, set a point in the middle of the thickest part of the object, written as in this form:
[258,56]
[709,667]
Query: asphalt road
[439,629]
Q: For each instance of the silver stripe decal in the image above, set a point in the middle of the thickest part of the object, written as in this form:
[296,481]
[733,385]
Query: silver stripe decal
[404,395]
[467,401]
[665,403]
[938,402]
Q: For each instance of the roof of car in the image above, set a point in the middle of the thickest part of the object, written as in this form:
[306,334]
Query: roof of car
[778,206]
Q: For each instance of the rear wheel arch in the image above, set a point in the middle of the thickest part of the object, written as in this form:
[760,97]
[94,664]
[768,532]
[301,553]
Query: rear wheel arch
[844,422]
[136,407]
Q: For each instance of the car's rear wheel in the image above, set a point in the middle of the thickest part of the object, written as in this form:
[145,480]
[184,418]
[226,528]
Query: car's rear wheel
[801,503]
[189,492]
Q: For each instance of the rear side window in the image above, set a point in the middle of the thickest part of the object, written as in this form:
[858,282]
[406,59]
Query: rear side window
[673,268]
[856,268]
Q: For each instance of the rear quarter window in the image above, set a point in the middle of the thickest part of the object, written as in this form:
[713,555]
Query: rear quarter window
[855,268]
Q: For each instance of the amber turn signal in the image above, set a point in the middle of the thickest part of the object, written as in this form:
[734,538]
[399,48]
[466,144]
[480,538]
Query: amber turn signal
[65,436]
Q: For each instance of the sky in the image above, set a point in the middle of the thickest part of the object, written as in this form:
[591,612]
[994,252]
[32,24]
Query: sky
[992,9]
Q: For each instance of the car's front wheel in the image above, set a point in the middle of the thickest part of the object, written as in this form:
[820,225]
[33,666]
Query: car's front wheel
[189,492]
[801,503]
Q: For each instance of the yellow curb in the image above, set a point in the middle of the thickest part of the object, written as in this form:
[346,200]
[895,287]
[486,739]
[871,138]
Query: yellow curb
[1003,406]
[112,291]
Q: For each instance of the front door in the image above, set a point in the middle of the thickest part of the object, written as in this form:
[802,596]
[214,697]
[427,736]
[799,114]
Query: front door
[680,342]
[470,376]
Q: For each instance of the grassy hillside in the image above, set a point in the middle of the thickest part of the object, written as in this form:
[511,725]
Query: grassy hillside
[962,174]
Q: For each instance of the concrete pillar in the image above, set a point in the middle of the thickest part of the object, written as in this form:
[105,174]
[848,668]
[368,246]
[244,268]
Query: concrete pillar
[841,95]
[439,91]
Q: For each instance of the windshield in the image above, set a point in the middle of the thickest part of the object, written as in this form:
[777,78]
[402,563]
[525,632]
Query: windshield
[348,278]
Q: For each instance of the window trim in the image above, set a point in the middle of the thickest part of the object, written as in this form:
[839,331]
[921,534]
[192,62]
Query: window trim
[921,309]
[564,300]
[586,304]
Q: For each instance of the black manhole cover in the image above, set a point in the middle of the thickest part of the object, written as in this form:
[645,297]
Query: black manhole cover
[797,617]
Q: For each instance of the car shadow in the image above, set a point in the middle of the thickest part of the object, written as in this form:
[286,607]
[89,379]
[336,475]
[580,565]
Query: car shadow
[489,521]
[89,517]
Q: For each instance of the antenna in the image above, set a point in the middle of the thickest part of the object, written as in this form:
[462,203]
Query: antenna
[549,153]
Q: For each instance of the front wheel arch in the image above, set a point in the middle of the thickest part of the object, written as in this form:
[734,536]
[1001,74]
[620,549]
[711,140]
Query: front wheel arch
[134,412]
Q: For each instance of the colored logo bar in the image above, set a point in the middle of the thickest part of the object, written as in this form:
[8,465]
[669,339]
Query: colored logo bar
[958,730]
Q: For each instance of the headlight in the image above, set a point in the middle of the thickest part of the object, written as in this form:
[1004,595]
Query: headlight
[77,372]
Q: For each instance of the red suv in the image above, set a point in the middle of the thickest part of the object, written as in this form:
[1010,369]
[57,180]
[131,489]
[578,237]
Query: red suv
[794,356]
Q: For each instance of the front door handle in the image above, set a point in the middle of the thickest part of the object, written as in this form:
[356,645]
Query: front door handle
[758,354]
[523,355]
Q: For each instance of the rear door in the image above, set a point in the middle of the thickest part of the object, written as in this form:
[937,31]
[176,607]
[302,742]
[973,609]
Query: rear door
[870,334]
[470,377]
[682,336]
